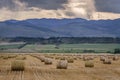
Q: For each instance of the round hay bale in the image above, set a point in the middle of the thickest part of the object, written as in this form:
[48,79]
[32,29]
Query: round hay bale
[102,58]
[88,58]
[85,58]
[107,61]
[48,61]
[63,58]
[115,58]
[70,60]
[62,64]
[57,58]
[17,65]
[89,64]
[42,58]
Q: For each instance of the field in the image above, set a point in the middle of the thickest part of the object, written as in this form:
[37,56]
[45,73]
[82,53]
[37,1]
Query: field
[73,48]
[14,45]
[62,48]
[35,69]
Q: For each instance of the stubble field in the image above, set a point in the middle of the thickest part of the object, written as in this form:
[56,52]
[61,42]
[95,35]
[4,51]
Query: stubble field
[36,69]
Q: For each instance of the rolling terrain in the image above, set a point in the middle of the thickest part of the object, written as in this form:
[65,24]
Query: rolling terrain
[60,28]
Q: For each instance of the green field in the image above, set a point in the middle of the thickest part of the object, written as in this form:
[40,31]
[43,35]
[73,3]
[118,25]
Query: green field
[63,48]
[11,46]
[73,48]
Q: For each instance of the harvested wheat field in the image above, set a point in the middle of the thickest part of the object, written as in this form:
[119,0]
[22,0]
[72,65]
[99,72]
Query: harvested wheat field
[59,67]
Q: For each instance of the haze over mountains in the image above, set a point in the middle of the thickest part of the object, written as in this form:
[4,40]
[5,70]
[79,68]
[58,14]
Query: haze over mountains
[60,28]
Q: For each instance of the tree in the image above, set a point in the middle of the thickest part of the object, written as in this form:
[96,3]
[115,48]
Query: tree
[117,50]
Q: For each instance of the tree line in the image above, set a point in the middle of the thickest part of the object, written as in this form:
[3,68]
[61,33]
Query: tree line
[63,40]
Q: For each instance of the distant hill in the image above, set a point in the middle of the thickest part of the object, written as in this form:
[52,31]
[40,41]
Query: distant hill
[60,28]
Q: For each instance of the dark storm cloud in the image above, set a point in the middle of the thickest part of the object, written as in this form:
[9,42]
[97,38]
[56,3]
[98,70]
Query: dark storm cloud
[45,4]
[108,6]
[25,9]
[100,5]
[7,4]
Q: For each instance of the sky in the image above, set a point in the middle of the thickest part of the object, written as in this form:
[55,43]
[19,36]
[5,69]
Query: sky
[88,9]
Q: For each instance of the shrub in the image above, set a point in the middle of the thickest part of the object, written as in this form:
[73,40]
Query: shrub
[48,61]
[116,51]
[88,51]
[17,65]
[62,64]
[89,64]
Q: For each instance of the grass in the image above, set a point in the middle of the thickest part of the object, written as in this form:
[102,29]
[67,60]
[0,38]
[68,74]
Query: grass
[12,46]
[20,58]
[35,69]
[64,48]
[73,48]
[8,56]
[17,65]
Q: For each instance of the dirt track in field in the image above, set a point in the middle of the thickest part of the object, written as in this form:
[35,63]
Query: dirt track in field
[37,70]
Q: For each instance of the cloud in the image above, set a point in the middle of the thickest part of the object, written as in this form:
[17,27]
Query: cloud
[105,15]
[108,6]
[13,5]
[7,4]
[81,8]
[45,4]
[24,9]
[34,13]
[88,9]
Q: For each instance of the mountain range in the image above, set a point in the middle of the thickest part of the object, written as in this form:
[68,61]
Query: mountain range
[77,27]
